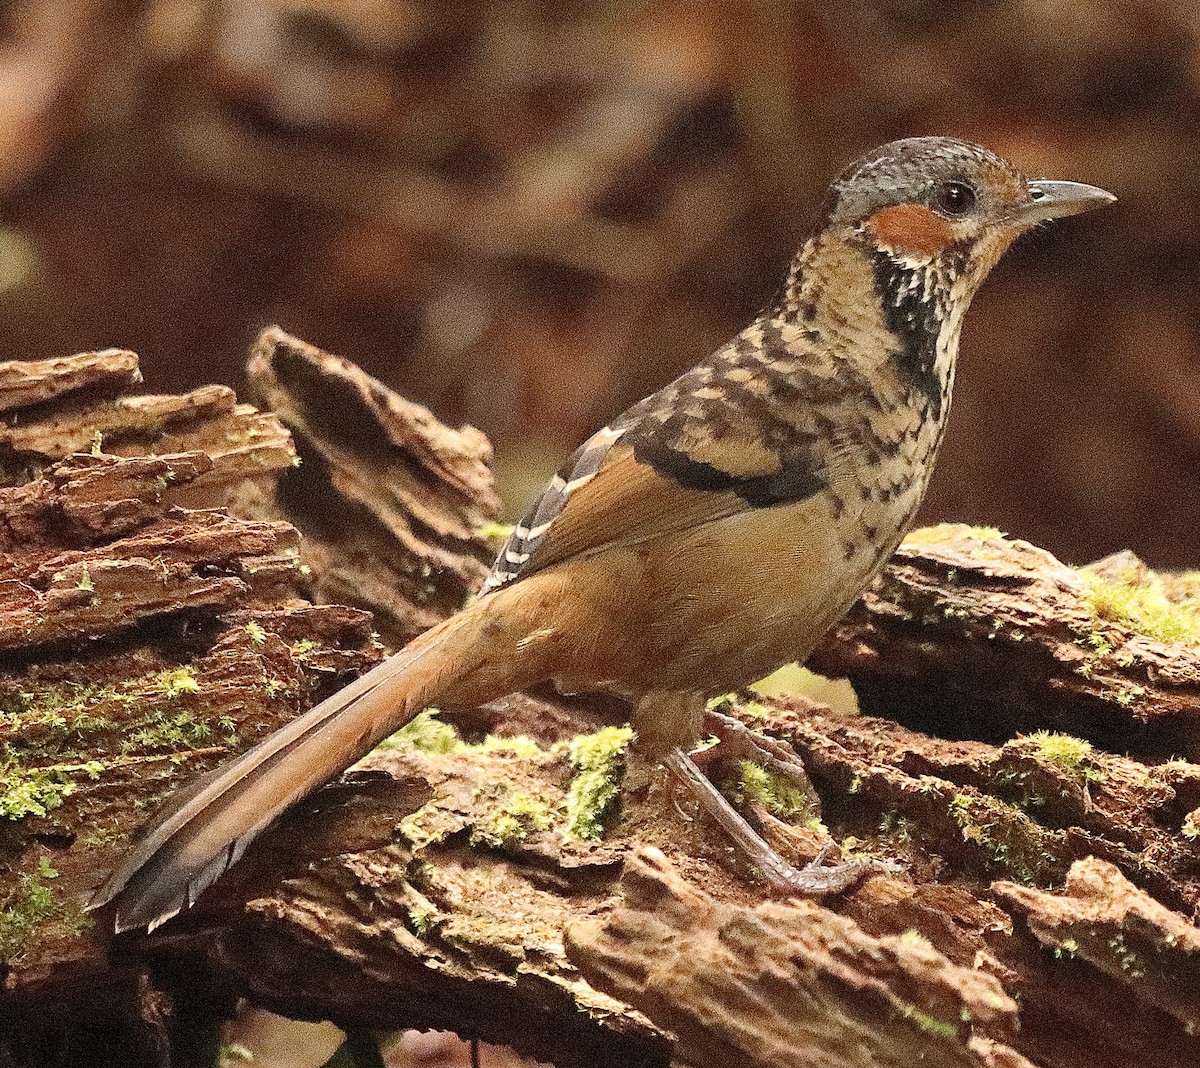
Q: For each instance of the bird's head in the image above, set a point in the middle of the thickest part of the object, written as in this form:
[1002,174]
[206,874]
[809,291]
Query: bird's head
[937,203]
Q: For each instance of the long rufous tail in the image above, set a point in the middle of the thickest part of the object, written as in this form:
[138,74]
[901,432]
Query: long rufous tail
[470,658]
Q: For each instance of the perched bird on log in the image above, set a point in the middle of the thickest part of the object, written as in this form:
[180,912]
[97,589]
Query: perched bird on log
[711,533]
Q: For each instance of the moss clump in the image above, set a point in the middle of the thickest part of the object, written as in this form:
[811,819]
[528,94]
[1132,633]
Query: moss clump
[27,906]
[424,733]
[258,634]
[1067,948]
[1140,602]
[1009,838]
[931,1025]
[518,745]
[748,709]
[779,794]
[172,733]
[422,920]
[57,710]
[512,821]
[1066,752]
[45,715]
[178,681]
[32,791]
[600,760]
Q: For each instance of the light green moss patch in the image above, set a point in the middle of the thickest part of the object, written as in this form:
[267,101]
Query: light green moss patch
[1191,825]
[1067,948]
[926,1022]
[512,820]
[34,791]
[1141,604]
[257,634]
[424,733]
[1066,752]
[779,794]
[422,920]
[518,746]
[59,709]
[600,761]
[1003,833]
[726,703]
[178,681]
[173,733]
[29,905]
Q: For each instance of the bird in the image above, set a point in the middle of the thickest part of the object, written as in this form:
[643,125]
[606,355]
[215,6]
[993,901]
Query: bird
[709,534]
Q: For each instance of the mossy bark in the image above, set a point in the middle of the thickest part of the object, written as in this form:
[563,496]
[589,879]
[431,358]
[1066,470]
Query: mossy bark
[1040,910]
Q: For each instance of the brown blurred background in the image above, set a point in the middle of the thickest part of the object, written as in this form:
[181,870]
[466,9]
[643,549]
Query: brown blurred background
[529,214]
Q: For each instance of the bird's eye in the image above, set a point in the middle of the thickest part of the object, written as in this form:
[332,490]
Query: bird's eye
[955,198]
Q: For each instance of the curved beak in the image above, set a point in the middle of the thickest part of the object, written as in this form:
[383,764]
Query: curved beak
[1050,199]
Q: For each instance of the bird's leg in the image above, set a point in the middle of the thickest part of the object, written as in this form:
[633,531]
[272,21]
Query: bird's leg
[815,879]
[736,741]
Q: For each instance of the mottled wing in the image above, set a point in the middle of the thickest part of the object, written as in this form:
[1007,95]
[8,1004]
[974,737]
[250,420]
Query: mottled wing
[660,468]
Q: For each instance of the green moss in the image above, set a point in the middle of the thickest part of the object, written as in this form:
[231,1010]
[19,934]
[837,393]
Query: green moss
[57,713]
[897,827]
[422,920]
[600,760]
[276,688]
[35,791]
[512,820]
[26,907]
[1068,947]
[1097,642]
[173,733]
[1141,603]
[1008,838]
[1066,752]
[931,1025]
[257,634]
[424,733]
[1128,696]
[176,682]
[779,794]
[1126,958]
[913,937]
[518,745]
[748,709]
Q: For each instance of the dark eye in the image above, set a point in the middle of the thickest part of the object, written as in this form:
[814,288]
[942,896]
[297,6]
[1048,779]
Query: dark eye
[955,198]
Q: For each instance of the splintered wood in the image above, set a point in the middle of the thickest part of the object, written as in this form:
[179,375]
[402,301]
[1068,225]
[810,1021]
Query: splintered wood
[391,501]
[156,607]
[1022,756]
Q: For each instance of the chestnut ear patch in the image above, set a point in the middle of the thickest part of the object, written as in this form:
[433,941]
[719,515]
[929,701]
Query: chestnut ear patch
[910,229]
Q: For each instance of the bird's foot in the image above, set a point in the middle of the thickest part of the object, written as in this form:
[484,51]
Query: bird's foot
[736,741]
[815,879]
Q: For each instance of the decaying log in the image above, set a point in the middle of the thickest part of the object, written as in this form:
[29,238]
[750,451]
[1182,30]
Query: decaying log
[971,634]
[1041,908]
[788,983]
[141,639]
